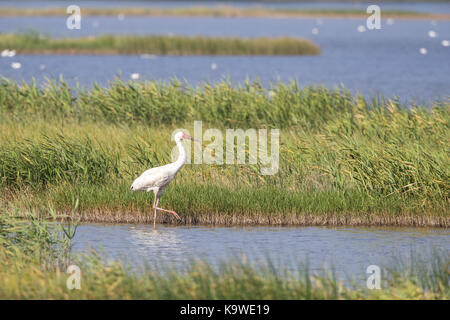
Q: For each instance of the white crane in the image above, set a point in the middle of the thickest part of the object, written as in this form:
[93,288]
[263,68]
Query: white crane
[157,179]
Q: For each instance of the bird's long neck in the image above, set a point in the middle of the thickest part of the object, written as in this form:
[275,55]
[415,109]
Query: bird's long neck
[181,157]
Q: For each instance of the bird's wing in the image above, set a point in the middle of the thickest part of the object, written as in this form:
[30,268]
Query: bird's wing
[155,177]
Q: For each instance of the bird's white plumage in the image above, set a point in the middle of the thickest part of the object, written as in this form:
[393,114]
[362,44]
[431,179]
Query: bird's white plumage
[157,179]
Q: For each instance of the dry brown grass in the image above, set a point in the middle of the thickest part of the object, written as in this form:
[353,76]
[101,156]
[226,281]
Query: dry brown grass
[291,219]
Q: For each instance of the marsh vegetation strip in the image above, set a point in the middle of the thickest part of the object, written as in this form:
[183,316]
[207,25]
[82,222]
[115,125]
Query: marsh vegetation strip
[34,258]
[160,45]
[343,159]
[223,11]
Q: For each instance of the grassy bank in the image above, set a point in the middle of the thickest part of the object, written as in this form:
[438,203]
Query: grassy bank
[223,11]
[34,258]
[344,160]
[33,43]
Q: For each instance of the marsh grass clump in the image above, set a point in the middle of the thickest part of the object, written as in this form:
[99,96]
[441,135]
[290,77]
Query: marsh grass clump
[32,42]
[22,100]
[430,271]
[54,159]
[28,239]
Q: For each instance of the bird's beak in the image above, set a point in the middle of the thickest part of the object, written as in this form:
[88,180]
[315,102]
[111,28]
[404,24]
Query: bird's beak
[190,138]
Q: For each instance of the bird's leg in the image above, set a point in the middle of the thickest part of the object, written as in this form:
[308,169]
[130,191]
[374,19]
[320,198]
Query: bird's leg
[169,211]
[155,204]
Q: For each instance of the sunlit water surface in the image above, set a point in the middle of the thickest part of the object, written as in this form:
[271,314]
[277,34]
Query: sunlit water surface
[349,250]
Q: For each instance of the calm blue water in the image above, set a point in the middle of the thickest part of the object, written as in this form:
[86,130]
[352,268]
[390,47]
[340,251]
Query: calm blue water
[349,250]
[384,61]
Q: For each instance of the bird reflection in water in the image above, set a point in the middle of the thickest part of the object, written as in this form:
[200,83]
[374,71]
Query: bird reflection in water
[162,242]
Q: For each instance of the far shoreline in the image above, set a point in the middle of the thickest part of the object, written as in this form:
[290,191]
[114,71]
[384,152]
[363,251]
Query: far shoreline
[224,12]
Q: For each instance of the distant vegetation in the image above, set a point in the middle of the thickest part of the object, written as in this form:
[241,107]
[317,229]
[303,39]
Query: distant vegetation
[221,11]
[344,159]
[158,45]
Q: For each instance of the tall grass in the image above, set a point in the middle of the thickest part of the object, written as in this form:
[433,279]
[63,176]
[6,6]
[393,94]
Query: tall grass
[34,257]
[250,105]
[34,242]
[344,159]
[54,159]
[32,42]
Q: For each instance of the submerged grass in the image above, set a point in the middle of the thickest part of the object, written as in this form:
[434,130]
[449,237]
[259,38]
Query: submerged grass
[344,159]
[34,257]
[222,11]
[32,42]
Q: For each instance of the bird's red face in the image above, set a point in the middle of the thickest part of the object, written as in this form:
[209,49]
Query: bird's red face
[187,137]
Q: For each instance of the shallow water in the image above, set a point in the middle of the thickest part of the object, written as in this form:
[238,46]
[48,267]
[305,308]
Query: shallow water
[385,61]
[349,250]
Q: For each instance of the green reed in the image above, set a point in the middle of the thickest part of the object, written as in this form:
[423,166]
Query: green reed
[32,42]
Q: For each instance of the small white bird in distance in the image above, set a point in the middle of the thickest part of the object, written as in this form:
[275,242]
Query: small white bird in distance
[157,179]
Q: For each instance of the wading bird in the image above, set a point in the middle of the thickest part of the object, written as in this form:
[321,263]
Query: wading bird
[157,179]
